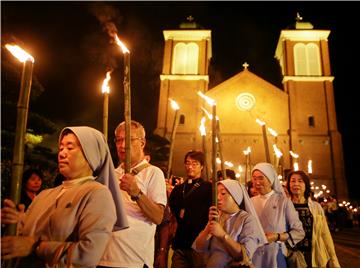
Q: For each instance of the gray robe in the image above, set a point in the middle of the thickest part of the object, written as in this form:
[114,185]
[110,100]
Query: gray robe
[242,228]
[279,215]
[84,215]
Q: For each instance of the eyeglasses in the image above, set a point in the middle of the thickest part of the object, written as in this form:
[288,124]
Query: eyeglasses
[193,164]
[121,140]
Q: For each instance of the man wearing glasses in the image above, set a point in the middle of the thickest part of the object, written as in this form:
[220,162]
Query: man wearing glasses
[144,196]
[189,203]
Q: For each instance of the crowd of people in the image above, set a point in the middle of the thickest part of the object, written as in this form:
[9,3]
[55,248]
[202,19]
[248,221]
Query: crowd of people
[99,216]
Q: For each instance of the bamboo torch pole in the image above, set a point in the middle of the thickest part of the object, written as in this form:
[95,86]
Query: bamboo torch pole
[127,104]
[176,107]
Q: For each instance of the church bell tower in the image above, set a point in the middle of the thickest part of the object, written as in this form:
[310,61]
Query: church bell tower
[187,53]
[303,54]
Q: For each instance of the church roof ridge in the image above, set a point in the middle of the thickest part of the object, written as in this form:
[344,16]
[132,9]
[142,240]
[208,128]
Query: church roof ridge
[240,75]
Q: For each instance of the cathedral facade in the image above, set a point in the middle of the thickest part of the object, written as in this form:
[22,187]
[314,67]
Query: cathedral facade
[301,115]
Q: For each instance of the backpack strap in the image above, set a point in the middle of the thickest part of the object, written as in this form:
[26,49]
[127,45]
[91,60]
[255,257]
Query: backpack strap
[137,170]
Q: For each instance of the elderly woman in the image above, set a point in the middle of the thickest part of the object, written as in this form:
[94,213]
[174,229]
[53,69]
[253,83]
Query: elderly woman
[233,232]
[317,246]
[69,225]
[277,215]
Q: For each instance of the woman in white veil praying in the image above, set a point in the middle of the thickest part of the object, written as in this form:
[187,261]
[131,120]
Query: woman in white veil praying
[233,232]
[69,225]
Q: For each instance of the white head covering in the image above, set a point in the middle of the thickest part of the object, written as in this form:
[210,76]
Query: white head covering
[270,173]
[96,152]
[239,194]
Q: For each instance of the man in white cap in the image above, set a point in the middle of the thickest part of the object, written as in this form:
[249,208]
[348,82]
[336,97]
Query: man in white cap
[277,215]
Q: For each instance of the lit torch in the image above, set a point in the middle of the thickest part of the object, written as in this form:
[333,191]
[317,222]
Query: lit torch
[212,103]
[240,171]
[127,102]
[310,170]
[266,145]
[247,162]
[106,90]
[176,107]
[295,157]
[21,122]
[203,137]
[273,133]
[219,140]
[278,155]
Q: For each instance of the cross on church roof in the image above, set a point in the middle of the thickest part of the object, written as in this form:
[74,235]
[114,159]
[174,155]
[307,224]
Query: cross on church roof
[298,17]
[190,18]
[245,65]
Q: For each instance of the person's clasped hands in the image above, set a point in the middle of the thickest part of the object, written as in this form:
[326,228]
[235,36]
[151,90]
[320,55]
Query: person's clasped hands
[214,227]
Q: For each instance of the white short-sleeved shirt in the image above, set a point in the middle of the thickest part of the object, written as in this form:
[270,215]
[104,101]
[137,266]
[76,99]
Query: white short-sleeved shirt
[133,247]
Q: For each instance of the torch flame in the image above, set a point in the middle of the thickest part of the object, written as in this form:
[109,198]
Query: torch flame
[294,155]
[261,123]
[247,151]
[272,132]
[174,105]
[207,113]
[105,86]
[19,53]
[229,164]
[296,166]
[209,100]
[203,119]
[121,45]
[310,167]
[202,127]
[277,151]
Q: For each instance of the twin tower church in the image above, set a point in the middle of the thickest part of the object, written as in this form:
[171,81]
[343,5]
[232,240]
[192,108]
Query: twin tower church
[302,112]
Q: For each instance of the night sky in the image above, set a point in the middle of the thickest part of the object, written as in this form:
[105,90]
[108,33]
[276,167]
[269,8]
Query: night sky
[72,53]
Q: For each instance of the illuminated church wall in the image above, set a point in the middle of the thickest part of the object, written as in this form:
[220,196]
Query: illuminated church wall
[303,113]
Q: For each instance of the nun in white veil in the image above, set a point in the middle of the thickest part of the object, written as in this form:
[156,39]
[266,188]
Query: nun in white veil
[233,232]
[277,215]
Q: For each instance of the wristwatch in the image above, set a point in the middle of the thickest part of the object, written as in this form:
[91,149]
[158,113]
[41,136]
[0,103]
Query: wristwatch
[136,197]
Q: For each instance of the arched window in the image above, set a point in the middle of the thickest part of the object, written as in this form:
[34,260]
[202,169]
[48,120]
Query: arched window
[307,59]
[311,121]
[313,57]
[185,59]
[182,119]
